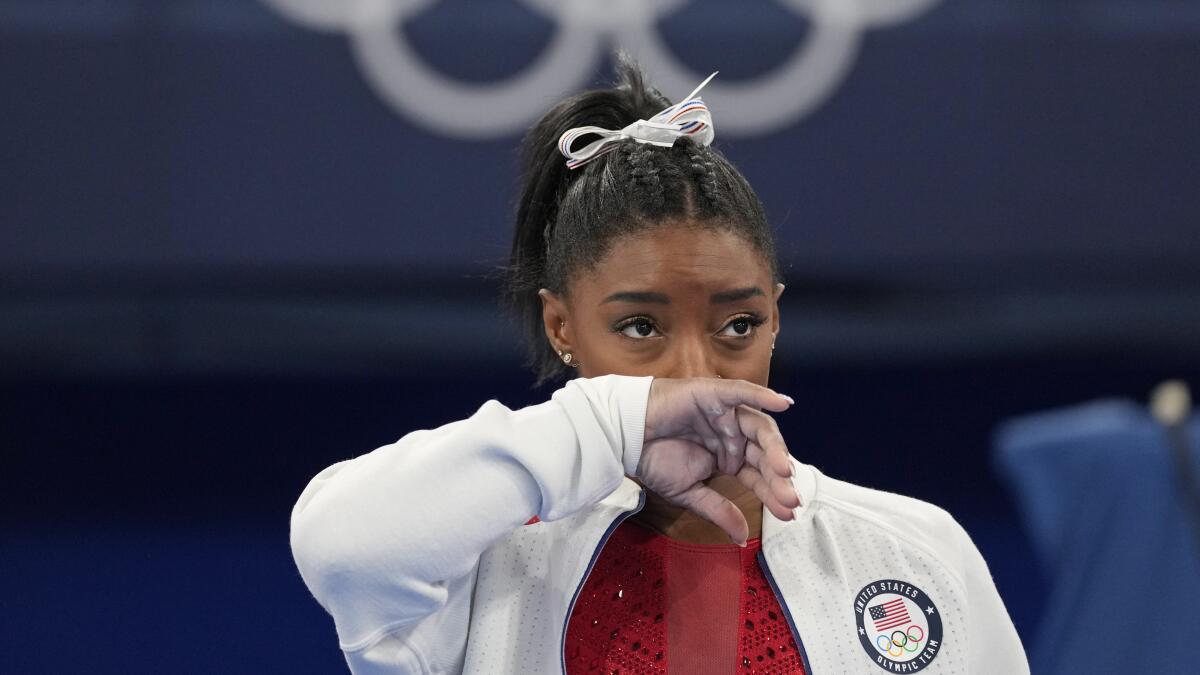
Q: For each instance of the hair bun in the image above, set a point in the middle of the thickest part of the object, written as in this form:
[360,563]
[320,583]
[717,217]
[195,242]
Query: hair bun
[628,99]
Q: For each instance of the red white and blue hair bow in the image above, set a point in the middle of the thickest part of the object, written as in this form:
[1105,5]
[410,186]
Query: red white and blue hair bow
[689,117]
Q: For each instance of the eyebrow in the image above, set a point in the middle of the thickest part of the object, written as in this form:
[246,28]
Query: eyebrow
[734,295]
[638,296]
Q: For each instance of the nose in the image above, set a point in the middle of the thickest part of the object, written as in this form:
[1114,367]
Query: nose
[692,356]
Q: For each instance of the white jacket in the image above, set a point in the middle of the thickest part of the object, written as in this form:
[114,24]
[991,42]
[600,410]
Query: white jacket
[419,552]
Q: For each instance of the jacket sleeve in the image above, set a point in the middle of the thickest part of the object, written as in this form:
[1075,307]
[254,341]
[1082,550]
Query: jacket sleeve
[389,542]
[995,647]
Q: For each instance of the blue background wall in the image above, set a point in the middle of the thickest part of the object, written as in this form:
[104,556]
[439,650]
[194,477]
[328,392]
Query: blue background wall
[226,262]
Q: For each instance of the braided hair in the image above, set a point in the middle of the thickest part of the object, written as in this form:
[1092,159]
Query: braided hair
[568,219]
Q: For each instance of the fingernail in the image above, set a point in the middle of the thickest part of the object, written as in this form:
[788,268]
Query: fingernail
[742,543]
[789,399]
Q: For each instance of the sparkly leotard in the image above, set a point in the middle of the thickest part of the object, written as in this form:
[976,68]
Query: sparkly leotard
[655,605]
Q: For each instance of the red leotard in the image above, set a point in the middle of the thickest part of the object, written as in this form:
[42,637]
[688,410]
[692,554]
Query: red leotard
[652,605]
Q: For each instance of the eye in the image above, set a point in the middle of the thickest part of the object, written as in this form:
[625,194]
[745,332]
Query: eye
[742,326]
[638,328]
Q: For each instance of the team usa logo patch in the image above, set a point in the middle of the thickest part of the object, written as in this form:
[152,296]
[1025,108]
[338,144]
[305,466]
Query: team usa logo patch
[898,625]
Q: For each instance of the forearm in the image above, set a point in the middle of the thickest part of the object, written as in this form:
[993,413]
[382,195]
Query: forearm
[377,537]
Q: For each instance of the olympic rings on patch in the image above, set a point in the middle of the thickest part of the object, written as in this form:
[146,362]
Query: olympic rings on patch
[901,642]
[586,31]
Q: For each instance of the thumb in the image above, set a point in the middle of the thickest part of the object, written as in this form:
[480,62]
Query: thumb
[711,506]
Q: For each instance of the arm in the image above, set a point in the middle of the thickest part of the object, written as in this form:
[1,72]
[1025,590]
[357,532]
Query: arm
[388,542]
[995,647]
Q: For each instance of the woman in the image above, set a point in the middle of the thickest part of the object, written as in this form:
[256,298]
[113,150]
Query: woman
[649,516]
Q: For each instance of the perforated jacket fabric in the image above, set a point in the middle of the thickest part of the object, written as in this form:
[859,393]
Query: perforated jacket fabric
[419,551]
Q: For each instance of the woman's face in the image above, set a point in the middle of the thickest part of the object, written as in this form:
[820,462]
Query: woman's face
[675,301]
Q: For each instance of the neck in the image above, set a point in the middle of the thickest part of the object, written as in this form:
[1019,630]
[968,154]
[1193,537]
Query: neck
[683,525]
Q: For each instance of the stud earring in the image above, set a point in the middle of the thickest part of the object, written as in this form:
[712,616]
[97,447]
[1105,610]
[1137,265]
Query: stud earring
[568,358]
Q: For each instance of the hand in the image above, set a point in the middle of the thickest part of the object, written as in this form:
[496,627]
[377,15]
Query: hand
[699,425]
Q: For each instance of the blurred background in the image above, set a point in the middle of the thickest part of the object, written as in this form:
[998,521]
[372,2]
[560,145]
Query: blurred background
[241,240]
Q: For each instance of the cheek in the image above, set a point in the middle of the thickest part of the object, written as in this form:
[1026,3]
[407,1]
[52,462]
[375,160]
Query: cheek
[753,367]
[590,335]
[599,352]
[604,357]
[603,352]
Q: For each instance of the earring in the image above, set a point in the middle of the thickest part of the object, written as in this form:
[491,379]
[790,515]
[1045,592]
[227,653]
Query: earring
[567,357]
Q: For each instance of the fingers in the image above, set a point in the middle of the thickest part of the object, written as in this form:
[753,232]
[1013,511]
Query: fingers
[716,447]
[776,493]
[726,418]
[769,467]
[726,396]
[733,441]
[710,505]
[716,442]
[737,425]
[732,393]
[703,406]
[762,431]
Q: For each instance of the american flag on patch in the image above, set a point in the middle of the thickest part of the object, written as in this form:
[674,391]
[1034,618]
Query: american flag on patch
[889,614]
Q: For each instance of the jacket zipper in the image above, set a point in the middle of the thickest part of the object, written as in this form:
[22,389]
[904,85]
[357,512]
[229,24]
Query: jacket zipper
[592,563]
[787,613]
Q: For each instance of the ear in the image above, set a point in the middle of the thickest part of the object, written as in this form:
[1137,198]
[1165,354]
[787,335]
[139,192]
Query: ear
[555,319]
[775,319]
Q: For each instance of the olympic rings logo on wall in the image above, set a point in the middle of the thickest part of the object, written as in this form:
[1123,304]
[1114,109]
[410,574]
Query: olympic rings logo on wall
[586,29]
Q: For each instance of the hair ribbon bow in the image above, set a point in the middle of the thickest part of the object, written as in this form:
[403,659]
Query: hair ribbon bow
[689,117]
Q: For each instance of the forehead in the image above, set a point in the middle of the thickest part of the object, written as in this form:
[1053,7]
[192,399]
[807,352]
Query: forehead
[676,259]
